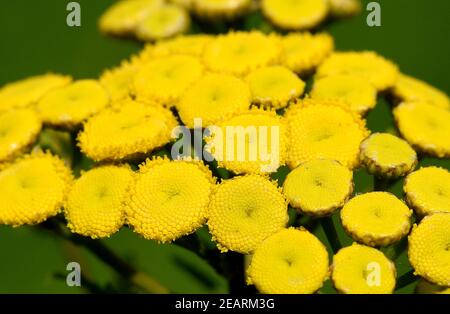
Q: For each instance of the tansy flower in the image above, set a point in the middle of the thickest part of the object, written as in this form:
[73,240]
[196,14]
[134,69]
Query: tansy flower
[376,218]
[191,45]
[129,129]
[324,129]
[427,190]
[424,287]
[290,261]
[117,81]
[318,187]
[425,126]
[184,3]
[69,106]
[359,94]
[386,155]
[28,91]
[379,71]
[295,15]
[429,247]
[359,269]
[169,199]
[95,205]
[18,130]
[344,8]
[33,189]
[241,52]
[164,80]
[274,86]
[219,9]
[213,98]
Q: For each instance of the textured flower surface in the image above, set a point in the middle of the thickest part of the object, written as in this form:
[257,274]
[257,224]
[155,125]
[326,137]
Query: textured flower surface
[220,9]
[191,45]
[117,81]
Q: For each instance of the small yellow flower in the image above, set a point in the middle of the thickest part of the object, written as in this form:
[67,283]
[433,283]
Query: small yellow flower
[117,81]
[318,187]
[220,9]
[344,8]
[291,261]
[376,218]
[427,190]
[424,287]
[429,247]
[191,45]
[359,269]
[184,3]
[244,211]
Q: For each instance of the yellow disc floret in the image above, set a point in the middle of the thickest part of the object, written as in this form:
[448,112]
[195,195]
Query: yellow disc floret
[117,81]
[344,8]
[191,45]
[220,9]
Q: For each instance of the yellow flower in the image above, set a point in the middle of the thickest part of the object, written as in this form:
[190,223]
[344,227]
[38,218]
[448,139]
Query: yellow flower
[241,52]
[28,91]
[95,205]
[117,81]
[213,98]
[18,130]
[359,269]
[424,287]
[324,129]
[291,261]
[427,190]
[191,45]
[429,247]
[184,3]
[169,199]
[344,8]
[376,218]
[244,211]
[318,187]
[219,9]
[379,71]
[33,189]
[274,86]
[295,15]
[386,155]
[359,94]
[425,126]
[130,130]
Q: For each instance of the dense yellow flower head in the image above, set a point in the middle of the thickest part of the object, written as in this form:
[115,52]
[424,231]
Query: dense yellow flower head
[359,94]
[129,129]
[18,130]
[318,187]
[33,189]
[164,80]
[295,14]
[213,98]
[28,91]
[117,81]
[191,45]
[244,211]
[344,8]
[376,218]
[239,53]
[379,71]
[95,205]
[427,190]
[291,261]
[429,249]
[274,86]
[425,287]
[169,199]
[220,9]
[425,126]
[324,129]
[359,269]
[386,155]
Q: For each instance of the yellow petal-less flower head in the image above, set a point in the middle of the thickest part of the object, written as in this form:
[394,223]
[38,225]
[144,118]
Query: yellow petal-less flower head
[164,80]
[358,93]
[184,3]
[18,130]
[295,14]
[376,218]
[274,86]
[239,53]
[117,81]
[344,8]
[33,189]
[425,287]
[324,129]
[169,199]
[318,187]
[220,9]
[386,155]
[429,249]
[244,211]
[359,269]
[379,71]
[28,91]
[69,106]
[95,205]
[291,261]
[191,45]
[213,98]
[427,190]
[126,131]
[425,126]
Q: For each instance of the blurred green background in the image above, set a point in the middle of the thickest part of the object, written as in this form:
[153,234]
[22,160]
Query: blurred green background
[34,39]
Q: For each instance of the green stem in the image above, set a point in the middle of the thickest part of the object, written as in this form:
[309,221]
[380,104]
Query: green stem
[406,280]
[331,233]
